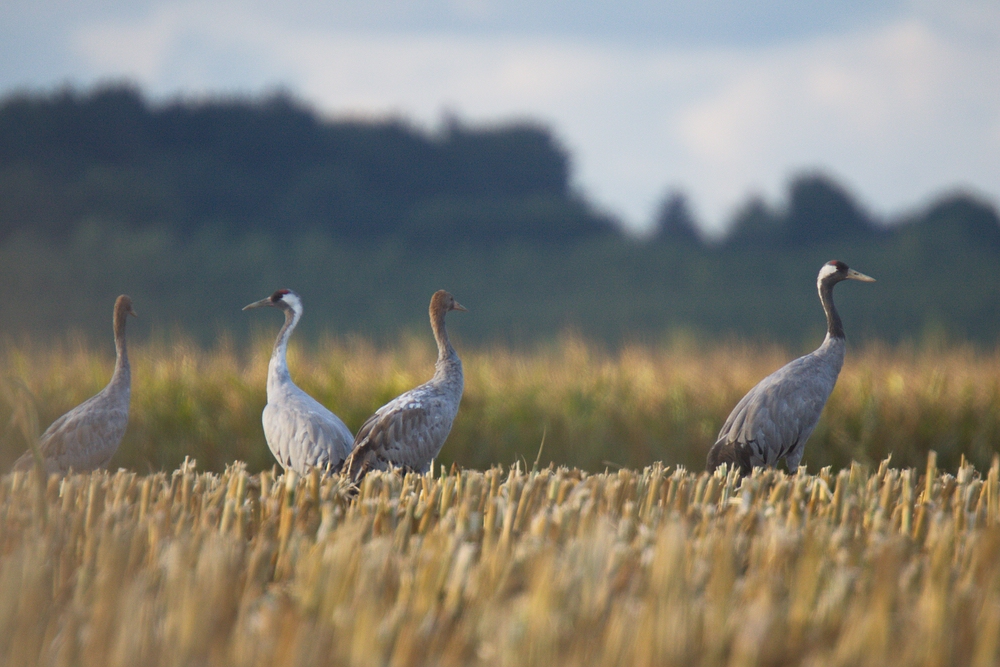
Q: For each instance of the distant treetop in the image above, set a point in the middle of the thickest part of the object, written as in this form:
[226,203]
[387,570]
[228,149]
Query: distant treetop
[818,211]
[959,219]
[674,221]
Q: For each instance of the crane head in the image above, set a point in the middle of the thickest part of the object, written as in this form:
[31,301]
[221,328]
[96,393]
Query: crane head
[834,271]
[442,301]
[283,298]
[123,305]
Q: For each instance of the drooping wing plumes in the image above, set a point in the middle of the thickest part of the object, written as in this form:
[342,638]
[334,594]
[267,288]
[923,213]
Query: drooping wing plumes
[300,432]
[734,455]
[86,437]
[410,430]
[775,419]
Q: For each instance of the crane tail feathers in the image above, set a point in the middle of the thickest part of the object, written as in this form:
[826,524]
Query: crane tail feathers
[730,453]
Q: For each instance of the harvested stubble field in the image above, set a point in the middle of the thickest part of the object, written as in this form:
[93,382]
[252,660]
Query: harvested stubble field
[503,567]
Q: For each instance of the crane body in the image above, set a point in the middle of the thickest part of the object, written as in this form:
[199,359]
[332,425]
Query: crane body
[775,418]
[86,437]
[300,432]
[410,430]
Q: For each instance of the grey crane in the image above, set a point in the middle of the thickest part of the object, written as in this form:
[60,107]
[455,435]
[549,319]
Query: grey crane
[300,432]
[409,430]
[777,416]
[86,437]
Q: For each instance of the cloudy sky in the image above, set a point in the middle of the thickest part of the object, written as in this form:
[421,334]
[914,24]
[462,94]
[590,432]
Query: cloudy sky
[898,99]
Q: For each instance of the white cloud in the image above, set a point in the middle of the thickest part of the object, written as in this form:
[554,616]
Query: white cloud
[895,111]
[136,50]
[899,111]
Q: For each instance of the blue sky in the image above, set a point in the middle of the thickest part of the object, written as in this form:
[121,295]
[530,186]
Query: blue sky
[719,98]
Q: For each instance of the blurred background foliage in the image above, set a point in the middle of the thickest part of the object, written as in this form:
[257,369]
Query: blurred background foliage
[196,207]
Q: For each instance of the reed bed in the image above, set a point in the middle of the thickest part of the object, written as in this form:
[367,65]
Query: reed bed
[594,408]
[659,566]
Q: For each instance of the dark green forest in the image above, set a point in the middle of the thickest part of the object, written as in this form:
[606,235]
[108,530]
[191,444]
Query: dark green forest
[197,207]
[273,166]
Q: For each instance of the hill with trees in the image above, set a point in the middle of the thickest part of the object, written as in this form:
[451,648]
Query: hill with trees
[196,207]
[274,166]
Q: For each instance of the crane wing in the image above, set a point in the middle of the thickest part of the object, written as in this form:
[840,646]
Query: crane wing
[778,415]
[84,438]
[302,435]
[406,432]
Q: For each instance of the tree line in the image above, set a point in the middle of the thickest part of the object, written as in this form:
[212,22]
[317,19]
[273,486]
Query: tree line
[197,207]
[274,165]
[820,211]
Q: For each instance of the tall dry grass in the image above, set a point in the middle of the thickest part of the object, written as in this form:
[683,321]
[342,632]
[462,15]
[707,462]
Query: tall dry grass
[503,567]
[595,408]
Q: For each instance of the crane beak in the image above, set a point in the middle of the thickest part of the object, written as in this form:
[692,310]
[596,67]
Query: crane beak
[857,275]
[133,313]
[259,304]
[459,306]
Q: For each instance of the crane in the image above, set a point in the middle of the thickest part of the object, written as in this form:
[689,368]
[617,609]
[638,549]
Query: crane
[300,432]
[409,430]
[86,437]
[777,416]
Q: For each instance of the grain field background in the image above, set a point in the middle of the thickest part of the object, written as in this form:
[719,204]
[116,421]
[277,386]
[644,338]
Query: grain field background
[595,408]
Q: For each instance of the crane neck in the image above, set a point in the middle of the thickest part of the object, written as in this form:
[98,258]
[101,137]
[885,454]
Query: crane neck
[834,327]
[447,356]
[277,367]
[122,368]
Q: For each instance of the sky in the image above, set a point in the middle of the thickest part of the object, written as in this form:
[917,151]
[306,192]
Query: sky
[899,100]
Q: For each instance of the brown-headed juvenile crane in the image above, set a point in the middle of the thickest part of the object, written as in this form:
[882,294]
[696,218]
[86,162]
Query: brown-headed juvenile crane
[778,415]
[408,431]
[86,437]
[301,433]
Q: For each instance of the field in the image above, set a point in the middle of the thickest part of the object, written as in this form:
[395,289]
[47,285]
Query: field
[605,556]
[594,408]
[502,567]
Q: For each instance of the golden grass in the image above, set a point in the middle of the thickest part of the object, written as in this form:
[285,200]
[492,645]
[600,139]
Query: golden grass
[595,408]
[502,567]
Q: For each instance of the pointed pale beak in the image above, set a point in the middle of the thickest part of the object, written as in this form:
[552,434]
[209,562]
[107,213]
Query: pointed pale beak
[857,275]
[459,306]
[259,304]
[133,313]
